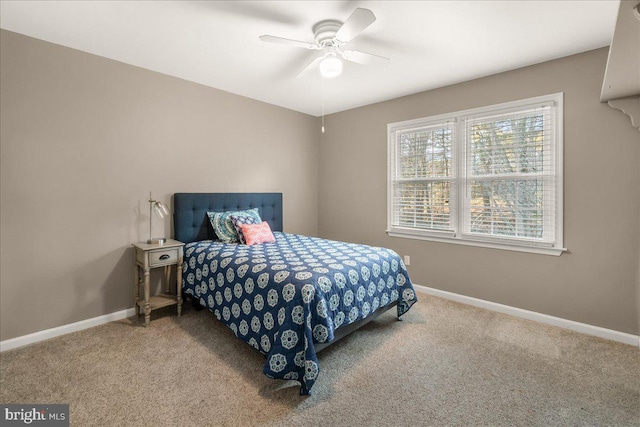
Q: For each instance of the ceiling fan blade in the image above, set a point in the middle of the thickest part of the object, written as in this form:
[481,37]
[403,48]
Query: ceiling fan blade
[363,58]
[289,42]
[355,24]
[312,66]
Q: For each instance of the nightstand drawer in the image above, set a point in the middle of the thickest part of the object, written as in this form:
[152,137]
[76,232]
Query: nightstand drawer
[163,257]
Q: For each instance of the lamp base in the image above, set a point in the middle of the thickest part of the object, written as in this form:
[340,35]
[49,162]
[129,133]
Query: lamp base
[157,241]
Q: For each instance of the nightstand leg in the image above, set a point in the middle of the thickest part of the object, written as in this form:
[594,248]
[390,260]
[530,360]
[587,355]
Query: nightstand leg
[179,285]
[136,281]
[167,279]
[147,305]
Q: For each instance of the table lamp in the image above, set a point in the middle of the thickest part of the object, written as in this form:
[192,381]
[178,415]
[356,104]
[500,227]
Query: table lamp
[157,207]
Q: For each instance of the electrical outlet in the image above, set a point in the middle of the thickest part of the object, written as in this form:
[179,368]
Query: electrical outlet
[407,260]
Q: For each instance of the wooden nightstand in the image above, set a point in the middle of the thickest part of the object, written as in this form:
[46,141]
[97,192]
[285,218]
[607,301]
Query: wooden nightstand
[149,256]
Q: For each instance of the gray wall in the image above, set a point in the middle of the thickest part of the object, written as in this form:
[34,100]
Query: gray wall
[83,141]
[596,282]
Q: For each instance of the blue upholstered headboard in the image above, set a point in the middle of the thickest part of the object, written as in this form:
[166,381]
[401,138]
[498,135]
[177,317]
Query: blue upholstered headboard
[190,221]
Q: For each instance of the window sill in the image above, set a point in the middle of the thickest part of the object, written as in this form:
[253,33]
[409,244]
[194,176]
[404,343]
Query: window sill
[541,250]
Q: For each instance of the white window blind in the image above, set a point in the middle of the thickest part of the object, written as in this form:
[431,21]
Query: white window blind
[511,175]
[423,177]
[490,176]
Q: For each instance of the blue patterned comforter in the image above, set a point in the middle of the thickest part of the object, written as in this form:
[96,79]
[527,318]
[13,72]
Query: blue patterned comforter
[283,297]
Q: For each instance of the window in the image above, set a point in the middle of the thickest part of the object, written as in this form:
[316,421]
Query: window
[490,176]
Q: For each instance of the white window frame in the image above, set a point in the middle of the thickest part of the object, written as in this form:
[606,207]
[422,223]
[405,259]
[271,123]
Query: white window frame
[457,204]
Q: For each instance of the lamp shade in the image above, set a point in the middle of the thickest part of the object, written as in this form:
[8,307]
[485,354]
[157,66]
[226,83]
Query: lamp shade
[160,209]
[331,67]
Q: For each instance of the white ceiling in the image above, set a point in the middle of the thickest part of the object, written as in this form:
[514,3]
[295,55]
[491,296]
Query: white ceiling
[431,43]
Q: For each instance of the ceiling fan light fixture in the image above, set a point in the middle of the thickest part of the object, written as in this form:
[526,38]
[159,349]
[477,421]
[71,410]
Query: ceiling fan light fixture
[331,67]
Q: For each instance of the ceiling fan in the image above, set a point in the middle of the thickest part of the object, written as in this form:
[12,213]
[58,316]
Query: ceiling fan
[330,38]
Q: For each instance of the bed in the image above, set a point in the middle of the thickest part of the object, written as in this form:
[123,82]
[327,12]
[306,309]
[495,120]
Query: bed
[291,298]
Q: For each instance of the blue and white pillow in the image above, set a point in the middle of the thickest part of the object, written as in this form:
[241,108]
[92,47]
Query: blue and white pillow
[238,220]
[223,227]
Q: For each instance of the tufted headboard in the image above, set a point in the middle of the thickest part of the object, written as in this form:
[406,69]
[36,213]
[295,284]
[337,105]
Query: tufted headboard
[190,221]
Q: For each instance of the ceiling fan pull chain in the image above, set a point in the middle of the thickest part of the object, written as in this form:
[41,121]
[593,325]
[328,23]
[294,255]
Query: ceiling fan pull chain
[322,100]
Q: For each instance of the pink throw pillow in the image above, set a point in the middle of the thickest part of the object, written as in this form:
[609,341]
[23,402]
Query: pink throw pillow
[257,233]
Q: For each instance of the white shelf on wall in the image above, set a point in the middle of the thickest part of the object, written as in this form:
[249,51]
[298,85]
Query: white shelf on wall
[621,86]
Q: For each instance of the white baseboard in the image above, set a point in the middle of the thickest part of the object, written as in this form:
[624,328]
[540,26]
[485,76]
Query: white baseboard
[584,328]
[64,329]
[500,308]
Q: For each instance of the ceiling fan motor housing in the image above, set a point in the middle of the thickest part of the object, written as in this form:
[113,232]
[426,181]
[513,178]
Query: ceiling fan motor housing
[325,31]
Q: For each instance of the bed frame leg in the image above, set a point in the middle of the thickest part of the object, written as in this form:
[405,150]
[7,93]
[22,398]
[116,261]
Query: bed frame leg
[304,391]
[196,304]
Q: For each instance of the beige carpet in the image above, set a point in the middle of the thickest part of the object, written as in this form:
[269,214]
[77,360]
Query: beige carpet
[446,364]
